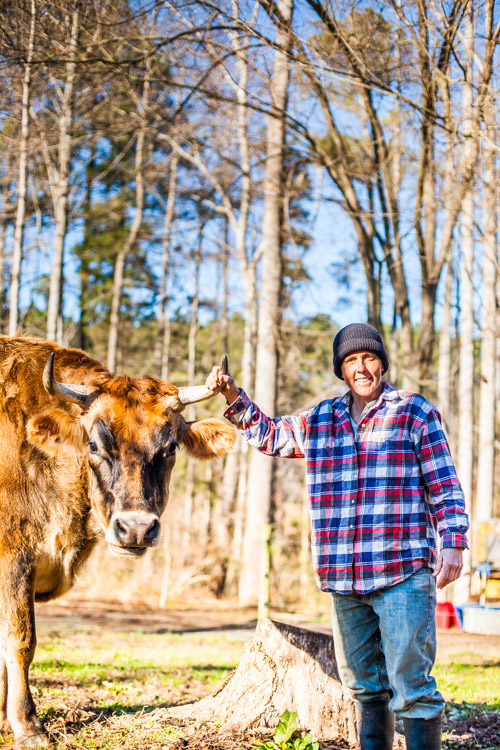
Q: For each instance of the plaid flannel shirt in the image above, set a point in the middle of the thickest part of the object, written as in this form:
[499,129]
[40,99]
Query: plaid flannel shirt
[376,495]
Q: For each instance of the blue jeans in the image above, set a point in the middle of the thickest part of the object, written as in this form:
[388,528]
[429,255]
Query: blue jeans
[385,645]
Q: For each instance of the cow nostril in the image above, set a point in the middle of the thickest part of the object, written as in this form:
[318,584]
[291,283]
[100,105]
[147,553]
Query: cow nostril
[153,531]
[120,529]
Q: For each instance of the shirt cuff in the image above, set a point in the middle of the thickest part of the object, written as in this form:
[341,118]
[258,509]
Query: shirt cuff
[454,539]
[238,406]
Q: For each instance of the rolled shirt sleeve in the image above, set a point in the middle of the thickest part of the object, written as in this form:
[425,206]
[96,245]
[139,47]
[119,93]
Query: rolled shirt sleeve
[281,436]
[444,492]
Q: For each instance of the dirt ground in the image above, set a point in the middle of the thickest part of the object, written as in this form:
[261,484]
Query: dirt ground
[467,727]
[105,616]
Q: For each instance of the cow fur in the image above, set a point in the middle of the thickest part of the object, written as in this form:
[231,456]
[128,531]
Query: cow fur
[65,474]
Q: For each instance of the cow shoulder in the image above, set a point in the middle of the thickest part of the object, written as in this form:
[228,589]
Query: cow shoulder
[56,432]
[207,438]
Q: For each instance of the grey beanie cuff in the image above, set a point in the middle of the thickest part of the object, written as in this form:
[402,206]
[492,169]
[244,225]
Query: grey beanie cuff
[357,337]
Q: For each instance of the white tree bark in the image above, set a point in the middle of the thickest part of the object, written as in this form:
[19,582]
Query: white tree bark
[17,249]
[260,472]
[224,320]
[164,320]
[247,381]
[444,360]
[190,411]
[486,447]
[497,375]
[60,180]
[466,375]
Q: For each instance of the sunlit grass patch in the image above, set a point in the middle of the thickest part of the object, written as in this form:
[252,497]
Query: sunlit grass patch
[109,659]
[109,690]
[470,677]
[466,682]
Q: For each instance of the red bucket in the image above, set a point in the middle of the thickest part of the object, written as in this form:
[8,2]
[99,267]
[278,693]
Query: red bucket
[445,615]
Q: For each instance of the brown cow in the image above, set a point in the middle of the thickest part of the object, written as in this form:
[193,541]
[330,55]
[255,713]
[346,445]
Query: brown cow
[82,452]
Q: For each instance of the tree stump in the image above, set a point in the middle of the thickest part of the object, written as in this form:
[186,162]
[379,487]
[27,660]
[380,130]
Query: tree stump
[282,668]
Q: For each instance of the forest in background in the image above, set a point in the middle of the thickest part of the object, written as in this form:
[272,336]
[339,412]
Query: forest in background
[172,175]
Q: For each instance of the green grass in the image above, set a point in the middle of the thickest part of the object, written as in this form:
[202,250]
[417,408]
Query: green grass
[119,668]
[109,690]
[472,683]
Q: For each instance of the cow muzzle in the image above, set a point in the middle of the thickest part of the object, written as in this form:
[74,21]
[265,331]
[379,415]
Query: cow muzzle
[130,533]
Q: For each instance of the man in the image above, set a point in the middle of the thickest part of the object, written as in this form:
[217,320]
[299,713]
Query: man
[380,480]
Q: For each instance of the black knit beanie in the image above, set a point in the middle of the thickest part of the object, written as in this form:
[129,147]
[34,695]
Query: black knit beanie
[357,337]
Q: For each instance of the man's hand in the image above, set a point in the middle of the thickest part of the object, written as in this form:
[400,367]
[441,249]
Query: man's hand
[229,388]
[448,566]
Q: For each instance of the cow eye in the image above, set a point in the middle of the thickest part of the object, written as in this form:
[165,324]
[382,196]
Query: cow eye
[172,448]
[93,447]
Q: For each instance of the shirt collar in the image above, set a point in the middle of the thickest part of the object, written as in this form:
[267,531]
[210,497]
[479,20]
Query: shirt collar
[388,394]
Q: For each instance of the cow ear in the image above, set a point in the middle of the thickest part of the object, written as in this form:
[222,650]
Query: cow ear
[207,438]
[56,433]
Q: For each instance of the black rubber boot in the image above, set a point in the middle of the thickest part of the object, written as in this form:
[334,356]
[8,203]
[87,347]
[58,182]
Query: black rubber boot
[375,725]
[423,734]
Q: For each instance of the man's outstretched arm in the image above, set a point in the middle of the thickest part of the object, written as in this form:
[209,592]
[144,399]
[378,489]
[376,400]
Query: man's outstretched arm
[282,436]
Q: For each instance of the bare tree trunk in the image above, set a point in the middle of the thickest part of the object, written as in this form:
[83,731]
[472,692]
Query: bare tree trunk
[193,325]
[496,509]
[497,376]
[235,562]
[250,329]
[466,375]
[167,567]
[17,249]
[247,382]
[224,322]
[128,246]
[203,512]
[190,412]
[259,494]
[224,504]
[3,226]
[123,254]
[84,263]
[163,343]
[394,348]
[486,446]
[223,513]
[409,369]
[62,182]
[444,361]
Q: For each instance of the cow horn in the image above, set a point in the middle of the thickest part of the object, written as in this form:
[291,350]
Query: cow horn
[78,394]
[195,393]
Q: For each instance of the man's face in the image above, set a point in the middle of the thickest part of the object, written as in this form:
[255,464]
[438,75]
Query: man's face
[362,371]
